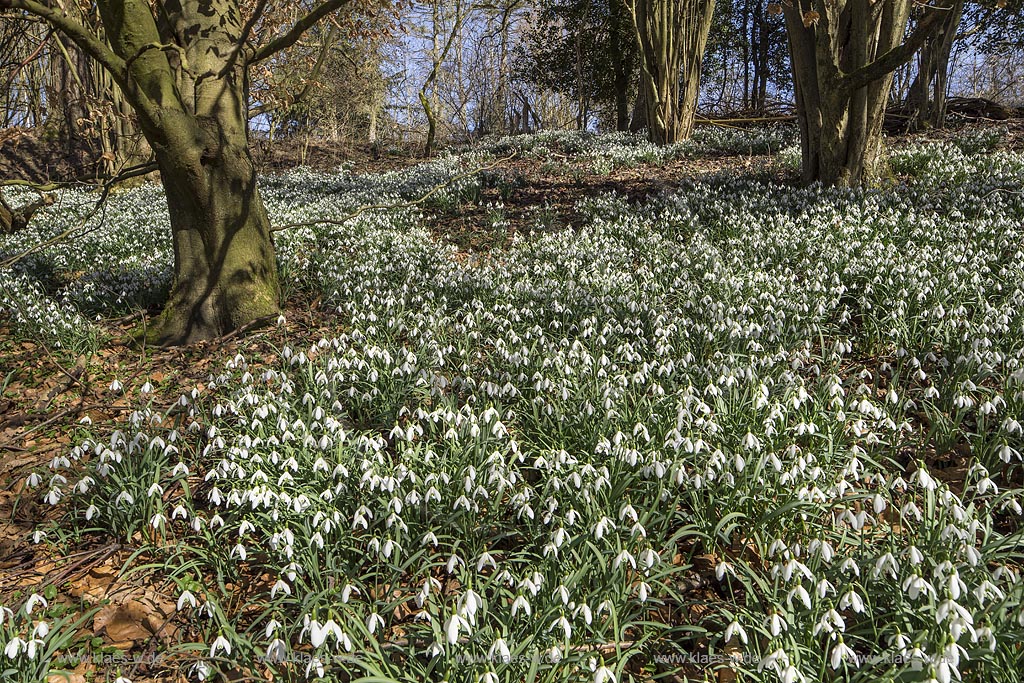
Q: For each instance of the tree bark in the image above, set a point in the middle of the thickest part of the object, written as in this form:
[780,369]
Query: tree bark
[926,100]
[638,121]
[672,35]
[225,274]
[843,55]
[618,47]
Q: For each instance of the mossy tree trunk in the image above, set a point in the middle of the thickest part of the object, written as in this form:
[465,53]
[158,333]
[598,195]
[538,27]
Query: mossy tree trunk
[184,73]
[672,35]
[843,54]
[225,274]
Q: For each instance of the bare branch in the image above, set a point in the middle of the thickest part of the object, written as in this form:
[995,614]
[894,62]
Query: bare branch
[310,81]
[35,53]
[287,39]
[78,33]
[898,56]
[13,219]
[74,232]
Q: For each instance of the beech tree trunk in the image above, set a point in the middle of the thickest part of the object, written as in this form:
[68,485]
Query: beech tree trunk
[672,35]
[225,273]
[843,55]
[182,67]
[195,119]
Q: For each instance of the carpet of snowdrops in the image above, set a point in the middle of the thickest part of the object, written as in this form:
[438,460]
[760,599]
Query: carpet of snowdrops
[689,436]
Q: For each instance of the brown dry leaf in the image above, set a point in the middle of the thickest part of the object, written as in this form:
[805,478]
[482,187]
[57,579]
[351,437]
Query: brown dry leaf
[123,623]
[69,677]
[811,18]
[96,583]
[774,8]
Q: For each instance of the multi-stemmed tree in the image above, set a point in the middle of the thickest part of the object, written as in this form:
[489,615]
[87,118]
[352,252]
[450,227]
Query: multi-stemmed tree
[843,54]
[672,35]
[183,67]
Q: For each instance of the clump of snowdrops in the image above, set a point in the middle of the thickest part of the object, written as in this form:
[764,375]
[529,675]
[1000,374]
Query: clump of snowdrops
[693,434]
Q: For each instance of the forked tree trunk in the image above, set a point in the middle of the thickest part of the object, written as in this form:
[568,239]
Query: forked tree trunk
[672,35]
[182,66]
[195,119]
[843,55]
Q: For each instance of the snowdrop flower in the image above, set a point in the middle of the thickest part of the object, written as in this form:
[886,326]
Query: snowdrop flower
[801,593]
[841,653]
[186,598]
[277,651]
[563,624]
[777,624]
[915,586]
[949,607]
[453,627]
[373,622]
[850,600]
[317,633]
[221,643]
[499,651]
[33,600]
[315,664]
[14,647]
[521,604]
[830,623]
[776,660]
[486,559]
[735,630]
[623,556]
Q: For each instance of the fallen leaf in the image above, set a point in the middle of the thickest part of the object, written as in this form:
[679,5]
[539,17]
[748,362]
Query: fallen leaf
[123,623]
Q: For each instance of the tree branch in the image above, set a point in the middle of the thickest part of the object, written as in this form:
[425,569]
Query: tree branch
[35,53]
[896,57]
[14,220]
[295,32]
[307,88]
[131,172]
[78,33]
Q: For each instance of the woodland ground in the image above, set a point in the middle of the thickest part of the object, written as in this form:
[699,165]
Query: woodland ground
[72,376]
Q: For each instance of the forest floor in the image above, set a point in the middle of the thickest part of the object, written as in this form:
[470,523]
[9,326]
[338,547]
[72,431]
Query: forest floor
[46,395]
